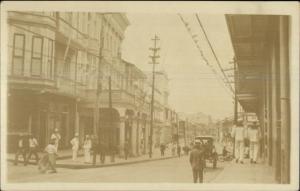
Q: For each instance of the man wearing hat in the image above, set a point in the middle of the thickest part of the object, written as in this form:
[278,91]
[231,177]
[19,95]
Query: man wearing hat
[56,137]
[254,137]
[75,146]
[239,133]
[197,162]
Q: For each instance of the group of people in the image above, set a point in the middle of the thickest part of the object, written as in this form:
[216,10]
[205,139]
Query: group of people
[240,133]
[28,146]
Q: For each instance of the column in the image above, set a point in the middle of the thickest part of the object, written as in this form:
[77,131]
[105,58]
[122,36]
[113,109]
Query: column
[122,137]
[284,98]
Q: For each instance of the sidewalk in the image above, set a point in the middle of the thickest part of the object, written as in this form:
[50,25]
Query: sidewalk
[246,174]
[64,160]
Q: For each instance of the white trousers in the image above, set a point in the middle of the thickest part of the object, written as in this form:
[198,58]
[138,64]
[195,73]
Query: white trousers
[87,155]
[239,150]
[74,154]
[253,150]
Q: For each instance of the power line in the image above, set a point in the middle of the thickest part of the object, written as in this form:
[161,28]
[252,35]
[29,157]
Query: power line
[210,45]
[219,79]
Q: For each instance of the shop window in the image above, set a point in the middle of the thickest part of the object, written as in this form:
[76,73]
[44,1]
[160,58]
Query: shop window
[36,56]
[18,54]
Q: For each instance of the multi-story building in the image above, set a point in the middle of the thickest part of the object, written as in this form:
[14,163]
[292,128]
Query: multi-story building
[53,68]
[66,71]
[262,58]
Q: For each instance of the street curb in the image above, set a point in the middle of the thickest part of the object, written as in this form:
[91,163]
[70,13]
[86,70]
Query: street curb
[82,166]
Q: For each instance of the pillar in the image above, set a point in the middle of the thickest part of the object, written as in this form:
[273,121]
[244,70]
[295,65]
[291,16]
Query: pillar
[122,137]
[284,98]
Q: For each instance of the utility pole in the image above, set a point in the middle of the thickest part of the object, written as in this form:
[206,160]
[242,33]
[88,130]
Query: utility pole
[99,85]
[154,56]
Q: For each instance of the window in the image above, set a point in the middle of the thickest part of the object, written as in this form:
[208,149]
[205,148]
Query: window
[18,54]
[50,59]
[36,56]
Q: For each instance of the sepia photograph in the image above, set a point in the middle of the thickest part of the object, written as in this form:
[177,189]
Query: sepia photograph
[149,96]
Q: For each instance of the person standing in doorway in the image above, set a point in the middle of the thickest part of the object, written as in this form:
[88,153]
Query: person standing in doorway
[75,146]
[197,162]
[21,149]
[126,149]
[87,145]
[253,137]
[56,136]
[33,148]
[238,133]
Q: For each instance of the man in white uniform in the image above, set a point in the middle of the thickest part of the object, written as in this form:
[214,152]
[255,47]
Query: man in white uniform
[75,146]
[238,132]
[253,136]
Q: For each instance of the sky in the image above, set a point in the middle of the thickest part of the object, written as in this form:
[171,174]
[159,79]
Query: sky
[193,87]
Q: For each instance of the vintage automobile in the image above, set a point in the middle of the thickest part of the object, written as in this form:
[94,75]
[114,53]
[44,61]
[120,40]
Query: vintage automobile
[210,153]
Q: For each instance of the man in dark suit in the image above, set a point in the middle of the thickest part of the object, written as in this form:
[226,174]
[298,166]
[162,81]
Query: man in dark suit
[197,162]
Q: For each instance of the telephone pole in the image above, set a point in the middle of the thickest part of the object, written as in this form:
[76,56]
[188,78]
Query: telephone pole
[99,85]
[154,56]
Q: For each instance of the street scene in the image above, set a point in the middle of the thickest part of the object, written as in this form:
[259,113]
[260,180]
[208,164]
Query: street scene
[121,97]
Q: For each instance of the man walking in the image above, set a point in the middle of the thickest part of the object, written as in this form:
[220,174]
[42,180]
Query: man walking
[238,133]
[253,136]
[197,162]
[33,147]
[21,149]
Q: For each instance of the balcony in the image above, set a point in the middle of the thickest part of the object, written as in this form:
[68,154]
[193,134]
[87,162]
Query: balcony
[59,85]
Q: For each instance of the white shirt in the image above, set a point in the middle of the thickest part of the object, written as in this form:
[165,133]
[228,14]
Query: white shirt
[33,143]
[51,149]
[238,133]
[75,143]
[87,144]
[253,135]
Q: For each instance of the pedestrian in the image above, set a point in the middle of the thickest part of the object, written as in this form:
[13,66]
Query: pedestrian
[253,137]
[75,146]
[162,149]
[33,148]
[238,133]
[21,149]
[87,145]
[197,162]
[178,150]
[52,154]
[102,151]
[94,149]
[56,136]
[126,149]
[173,149]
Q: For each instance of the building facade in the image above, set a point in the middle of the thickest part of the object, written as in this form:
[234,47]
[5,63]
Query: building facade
[66,72]
[261,46]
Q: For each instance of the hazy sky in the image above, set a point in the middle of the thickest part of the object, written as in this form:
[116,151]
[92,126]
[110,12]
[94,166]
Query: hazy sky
[193,86]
